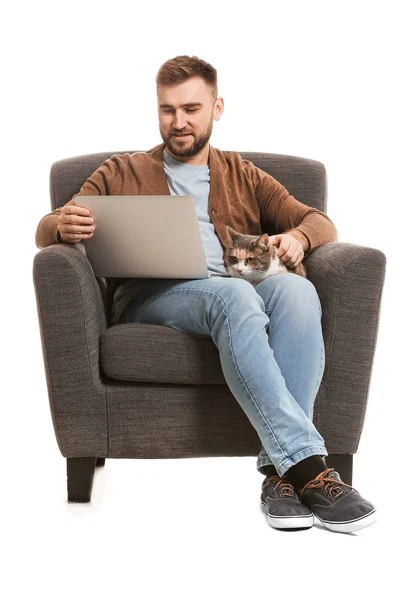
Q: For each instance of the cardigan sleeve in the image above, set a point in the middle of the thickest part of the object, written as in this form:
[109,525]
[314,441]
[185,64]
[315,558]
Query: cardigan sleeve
[105,181]
[282,213]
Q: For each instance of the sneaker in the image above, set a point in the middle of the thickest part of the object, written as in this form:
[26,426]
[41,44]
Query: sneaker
[281,503]
[336,504]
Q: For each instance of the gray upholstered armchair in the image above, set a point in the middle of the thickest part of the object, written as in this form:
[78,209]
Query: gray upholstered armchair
[147,391]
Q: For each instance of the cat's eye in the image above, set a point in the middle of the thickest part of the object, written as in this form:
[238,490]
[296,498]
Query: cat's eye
[248,260]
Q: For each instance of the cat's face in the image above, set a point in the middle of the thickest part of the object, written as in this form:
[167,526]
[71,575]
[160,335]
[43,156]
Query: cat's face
[249,256]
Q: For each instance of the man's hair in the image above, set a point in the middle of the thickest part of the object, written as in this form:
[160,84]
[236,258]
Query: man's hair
[181,68]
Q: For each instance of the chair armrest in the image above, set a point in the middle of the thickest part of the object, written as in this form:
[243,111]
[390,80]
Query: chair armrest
[71,319]
[349,280]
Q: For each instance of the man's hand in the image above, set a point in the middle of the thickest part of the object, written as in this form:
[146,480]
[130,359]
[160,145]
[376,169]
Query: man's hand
[75,223]
[290,251]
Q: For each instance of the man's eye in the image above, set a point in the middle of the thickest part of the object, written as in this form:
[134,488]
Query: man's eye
[168,110]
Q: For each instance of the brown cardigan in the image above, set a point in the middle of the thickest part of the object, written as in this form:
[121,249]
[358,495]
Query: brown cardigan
[241,196]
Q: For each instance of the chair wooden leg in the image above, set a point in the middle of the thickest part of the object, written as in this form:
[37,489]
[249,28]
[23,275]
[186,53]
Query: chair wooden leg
[80,472]
[100,462]
[343,464]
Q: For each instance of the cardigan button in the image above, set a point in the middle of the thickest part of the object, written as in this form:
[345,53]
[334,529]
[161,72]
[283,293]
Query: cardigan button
[213,212]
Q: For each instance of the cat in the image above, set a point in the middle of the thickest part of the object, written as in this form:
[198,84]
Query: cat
[251,257]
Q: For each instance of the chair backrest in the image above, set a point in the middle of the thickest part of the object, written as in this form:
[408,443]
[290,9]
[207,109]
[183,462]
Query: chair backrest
[304,178]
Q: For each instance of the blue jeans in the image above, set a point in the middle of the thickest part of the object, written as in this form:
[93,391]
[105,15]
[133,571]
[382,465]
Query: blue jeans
[269,339]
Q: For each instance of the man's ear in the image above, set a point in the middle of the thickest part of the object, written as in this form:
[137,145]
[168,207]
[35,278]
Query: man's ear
[218,109]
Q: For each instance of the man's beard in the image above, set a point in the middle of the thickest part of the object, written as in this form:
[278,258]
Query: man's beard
[187,149]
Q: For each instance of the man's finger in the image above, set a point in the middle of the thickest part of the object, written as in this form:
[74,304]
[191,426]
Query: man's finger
[290,257]
[283,248]
[75,237]
[78,220]
[296,262]
[296,259]
[75,229]
[75,209]
[82,236]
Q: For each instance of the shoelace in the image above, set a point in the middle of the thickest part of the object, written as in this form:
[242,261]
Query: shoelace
[331,485]
[286,488]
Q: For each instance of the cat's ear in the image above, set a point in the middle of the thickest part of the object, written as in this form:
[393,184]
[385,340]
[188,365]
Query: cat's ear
[263,242]
[231,234]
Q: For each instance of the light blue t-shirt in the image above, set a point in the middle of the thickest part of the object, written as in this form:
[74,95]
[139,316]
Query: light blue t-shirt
[194,180]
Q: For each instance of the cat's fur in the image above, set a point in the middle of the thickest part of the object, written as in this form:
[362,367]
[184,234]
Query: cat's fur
[255,258]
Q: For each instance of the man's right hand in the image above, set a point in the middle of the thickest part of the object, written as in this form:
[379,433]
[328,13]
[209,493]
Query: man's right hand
[75,223]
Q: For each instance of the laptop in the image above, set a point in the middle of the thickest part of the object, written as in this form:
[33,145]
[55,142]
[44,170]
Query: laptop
[145,236]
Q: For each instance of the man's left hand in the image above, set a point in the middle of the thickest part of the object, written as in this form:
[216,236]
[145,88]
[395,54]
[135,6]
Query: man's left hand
[290,251]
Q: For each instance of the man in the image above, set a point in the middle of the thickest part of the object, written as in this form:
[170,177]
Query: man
[269,336]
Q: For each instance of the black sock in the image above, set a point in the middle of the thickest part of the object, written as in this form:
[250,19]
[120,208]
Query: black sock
[268,470]
[306,470]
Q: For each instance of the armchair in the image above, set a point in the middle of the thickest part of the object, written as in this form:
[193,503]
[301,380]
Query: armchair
[111,397]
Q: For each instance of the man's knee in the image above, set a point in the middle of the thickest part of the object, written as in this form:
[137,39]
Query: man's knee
[292,283]
[291,289]
[238,294]
[233,285]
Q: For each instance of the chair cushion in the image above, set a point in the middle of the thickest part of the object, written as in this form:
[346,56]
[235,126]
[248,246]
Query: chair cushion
[159,354]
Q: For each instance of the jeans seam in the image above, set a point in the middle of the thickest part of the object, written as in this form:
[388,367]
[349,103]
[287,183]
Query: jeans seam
[241,378]
[245,386]
[322,363]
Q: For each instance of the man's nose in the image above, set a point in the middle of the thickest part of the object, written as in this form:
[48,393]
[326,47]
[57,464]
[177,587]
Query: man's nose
[179,121]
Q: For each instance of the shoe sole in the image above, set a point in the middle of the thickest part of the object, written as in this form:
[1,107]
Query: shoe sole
[297,522]
[351,526]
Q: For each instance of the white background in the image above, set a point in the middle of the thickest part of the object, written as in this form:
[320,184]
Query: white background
[324,80]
